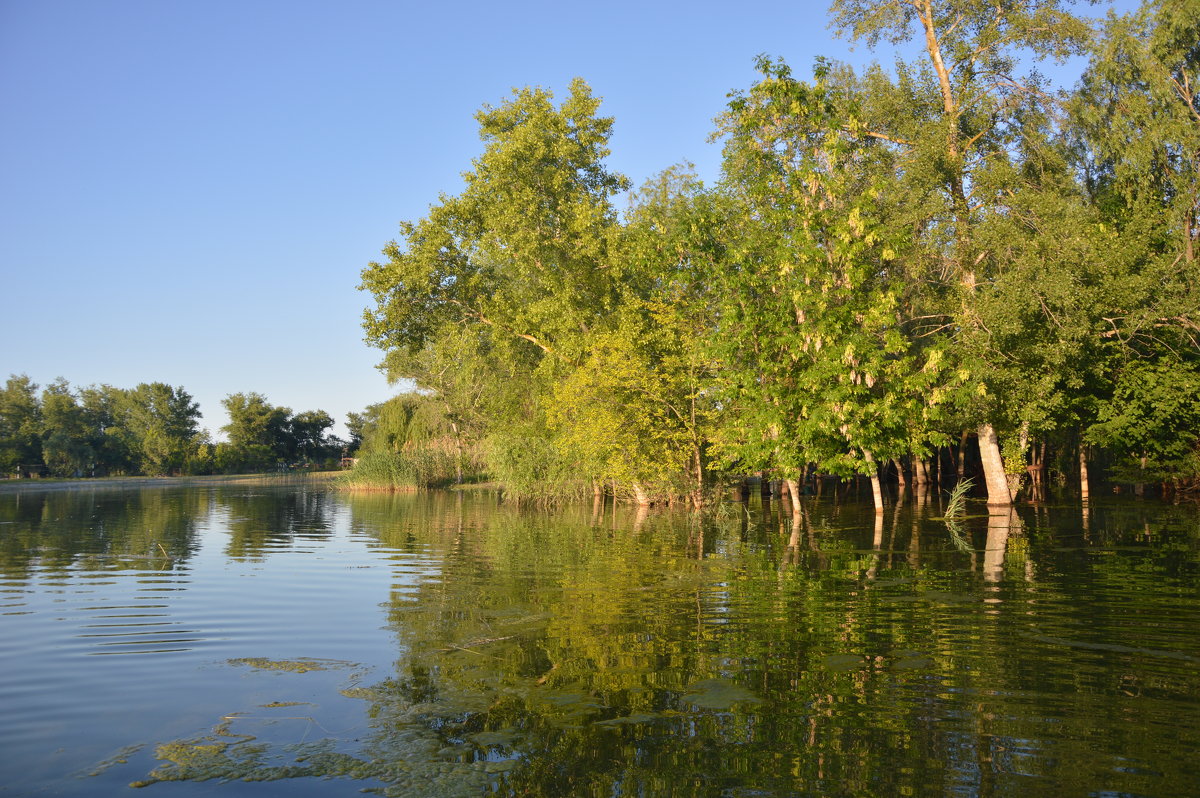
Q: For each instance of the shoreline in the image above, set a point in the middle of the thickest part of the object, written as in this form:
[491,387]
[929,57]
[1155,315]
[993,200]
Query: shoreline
[12,486]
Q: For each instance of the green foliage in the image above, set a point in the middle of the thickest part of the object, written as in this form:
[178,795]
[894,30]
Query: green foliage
[263,436]
[20,440]
[1152,422]
[814,366]
[163,419]
[404,421]
[65,446]
[150,429]
[531,468]
[890,258]
[416,468]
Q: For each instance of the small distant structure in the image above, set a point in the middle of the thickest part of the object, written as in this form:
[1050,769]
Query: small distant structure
[37,471]
[349,462]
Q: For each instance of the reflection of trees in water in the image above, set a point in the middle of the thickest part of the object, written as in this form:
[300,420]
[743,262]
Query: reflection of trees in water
[134,529]
[567,654]
[602,661]
[262,518]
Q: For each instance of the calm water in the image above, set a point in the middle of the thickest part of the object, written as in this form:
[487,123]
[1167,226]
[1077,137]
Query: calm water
[265,640]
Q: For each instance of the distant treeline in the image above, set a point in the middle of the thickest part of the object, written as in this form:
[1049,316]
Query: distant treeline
[943,255]
[151,429]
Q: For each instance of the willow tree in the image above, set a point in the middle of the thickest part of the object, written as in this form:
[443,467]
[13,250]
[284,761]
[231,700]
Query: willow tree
[521,256]
[952,116]
[816,367]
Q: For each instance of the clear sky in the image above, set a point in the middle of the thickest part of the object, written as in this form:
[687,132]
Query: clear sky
[189,189]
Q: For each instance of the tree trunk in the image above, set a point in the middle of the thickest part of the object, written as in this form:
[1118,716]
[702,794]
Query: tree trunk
[901,479]
[698,494]
[458,477]
[998,492]
[876,487]
[793,487]
[1084,488]
[920,471]
[962,454]
[640,495]
[1140,488]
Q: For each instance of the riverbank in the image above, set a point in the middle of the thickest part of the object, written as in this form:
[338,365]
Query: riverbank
[46,485]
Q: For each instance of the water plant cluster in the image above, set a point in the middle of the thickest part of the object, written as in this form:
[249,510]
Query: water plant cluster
[941,263]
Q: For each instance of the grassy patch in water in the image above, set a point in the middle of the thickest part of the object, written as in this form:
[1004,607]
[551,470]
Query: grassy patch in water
[418,469]
[291,665]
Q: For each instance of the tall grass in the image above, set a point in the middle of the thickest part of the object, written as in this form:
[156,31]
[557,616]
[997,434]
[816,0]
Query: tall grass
[413,469]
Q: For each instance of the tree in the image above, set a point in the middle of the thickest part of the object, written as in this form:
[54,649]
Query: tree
[1137,123]
[953,121]
[20,441]
[636,408]
[66,447]
[815,364]
[498,289]
[308,434]
[163,421]
[115,446]
[257,429]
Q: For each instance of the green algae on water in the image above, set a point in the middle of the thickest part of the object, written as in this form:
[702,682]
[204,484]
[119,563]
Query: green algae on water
[291,665]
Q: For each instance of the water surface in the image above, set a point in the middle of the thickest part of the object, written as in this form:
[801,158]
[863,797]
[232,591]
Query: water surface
[253,639]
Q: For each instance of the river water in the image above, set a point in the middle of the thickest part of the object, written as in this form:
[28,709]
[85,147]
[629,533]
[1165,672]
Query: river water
[265,640]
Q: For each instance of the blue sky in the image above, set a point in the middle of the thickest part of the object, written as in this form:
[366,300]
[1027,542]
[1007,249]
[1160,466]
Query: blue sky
[189,189]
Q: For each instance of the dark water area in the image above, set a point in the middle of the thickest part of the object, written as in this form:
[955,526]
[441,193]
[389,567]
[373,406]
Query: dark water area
[265,640]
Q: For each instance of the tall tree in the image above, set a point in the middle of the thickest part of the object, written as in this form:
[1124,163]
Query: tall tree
[20,441]
[66,439]
[163,421]
[1137,118]
[258,430]
[953,119]
[815,365]
[308,431]
[515,270]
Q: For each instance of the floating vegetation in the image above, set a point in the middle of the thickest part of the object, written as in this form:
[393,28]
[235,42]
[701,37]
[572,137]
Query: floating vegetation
[413,761]
[119,758]
[291,665]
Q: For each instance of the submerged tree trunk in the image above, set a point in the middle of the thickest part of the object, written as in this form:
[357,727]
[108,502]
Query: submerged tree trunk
[900,478]
[998,492]
[793,487]
[1084,487]
[640,495]
[962,454]
[458,460]
[920,471]
[876,487]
